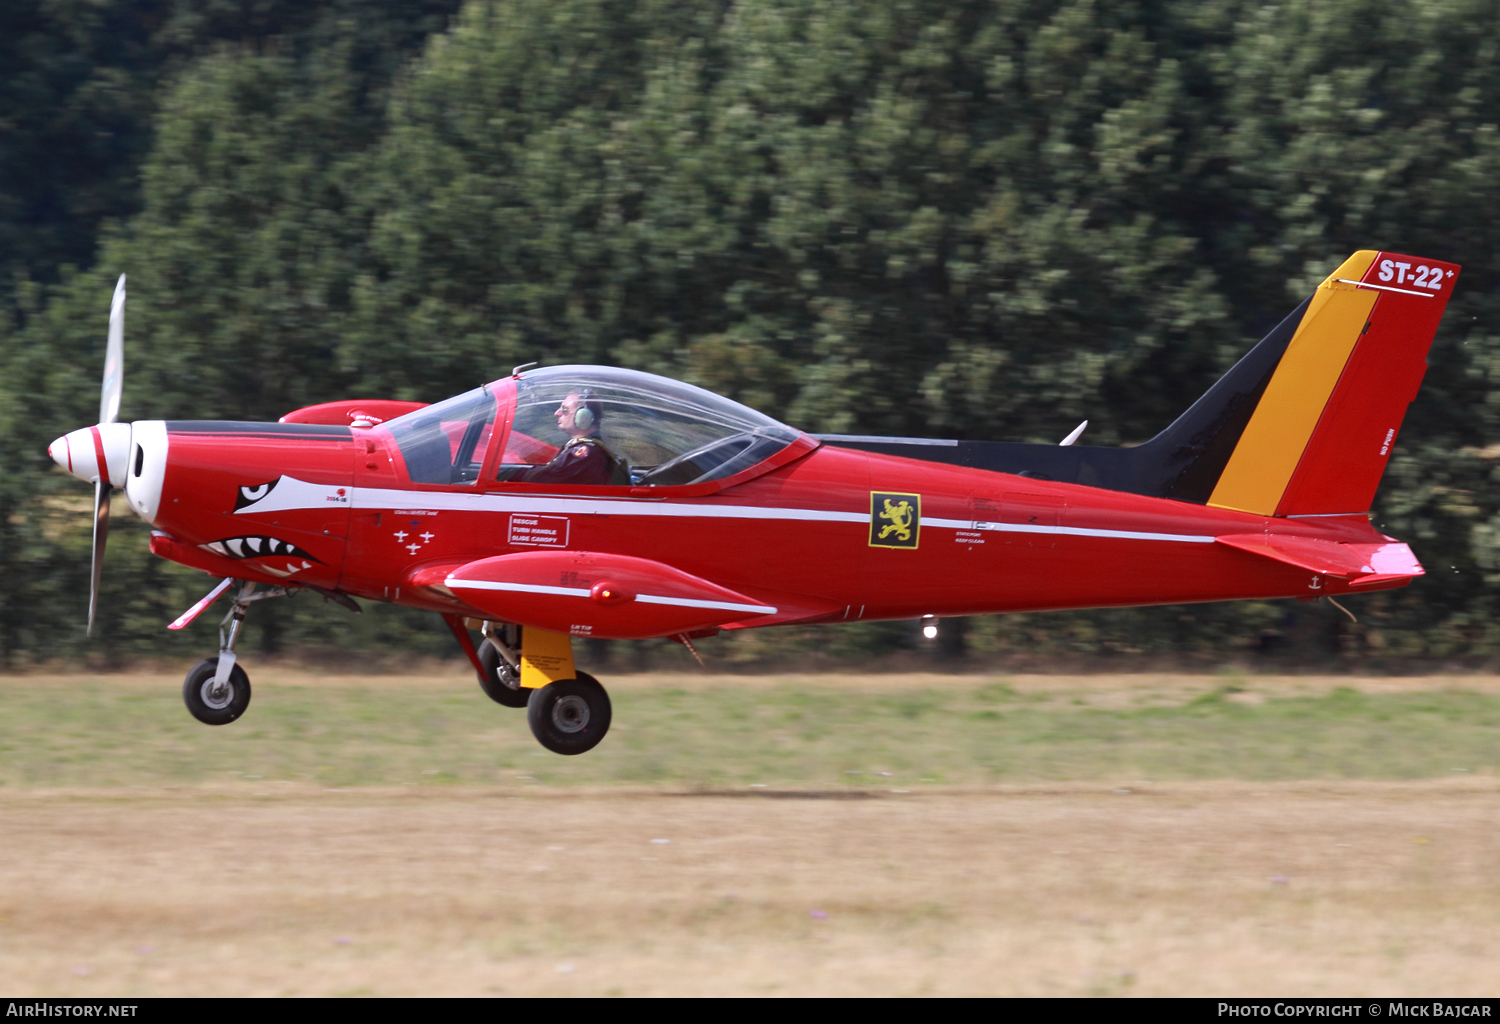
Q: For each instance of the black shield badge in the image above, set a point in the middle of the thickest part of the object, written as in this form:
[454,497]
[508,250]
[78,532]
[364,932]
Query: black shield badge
[895,519]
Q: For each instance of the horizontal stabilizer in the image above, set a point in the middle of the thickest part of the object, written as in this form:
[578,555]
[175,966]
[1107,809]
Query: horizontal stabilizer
[613,597]
[1357,563]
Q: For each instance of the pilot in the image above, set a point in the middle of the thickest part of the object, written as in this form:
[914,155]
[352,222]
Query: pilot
[584,459]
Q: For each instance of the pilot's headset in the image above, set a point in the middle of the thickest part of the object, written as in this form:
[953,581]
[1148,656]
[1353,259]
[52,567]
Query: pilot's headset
[592,411]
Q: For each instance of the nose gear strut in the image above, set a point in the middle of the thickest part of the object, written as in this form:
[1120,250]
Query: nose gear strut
[233,620]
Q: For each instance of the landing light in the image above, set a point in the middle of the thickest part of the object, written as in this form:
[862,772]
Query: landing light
[929,627]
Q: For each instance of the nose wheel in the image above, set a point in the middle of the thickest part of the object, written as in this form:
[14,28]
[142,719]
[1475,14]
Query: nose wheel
[569,716]
[212,702]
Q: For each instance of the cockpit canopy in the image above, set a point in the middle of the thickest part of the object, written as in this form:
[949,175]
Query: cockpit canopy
[653,431]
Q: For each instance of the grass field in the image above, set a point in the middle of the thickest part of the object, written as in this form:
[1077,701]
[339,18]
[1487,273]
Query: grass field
[1227,835]
[849,732]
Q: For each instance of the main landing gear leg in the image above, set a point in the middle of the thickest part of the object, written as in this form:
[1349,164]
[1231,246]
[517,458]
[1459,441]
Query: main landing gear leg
[216,690]
[497,660]
[501,658]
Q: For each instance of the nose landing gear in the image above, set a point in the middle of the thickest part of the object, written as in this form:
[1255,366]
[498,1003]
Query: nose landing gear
[216,690]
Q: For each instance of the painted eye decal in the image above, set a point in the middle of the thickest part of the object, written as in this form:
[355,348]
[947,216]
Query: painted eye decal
[249,494]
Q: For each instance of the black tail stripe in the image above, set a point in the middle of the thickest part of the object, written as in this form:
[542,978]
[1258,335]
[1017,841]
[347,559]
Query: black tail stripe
[1184,461]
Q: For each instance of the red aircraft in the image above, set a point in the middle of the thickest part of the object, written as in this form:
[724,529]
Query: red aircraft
[602,502]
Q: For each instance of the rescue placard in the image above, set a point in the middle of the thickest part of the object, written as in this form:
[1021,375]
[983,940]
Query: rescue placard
[539,531]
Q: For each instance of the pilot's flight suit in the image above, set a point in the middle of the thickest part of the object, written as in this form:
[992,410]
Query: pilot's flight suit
[583,460]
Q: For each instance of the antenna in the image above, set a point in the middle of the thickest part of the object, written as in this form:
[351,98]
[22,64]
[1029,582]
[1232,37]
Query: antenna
[516,371]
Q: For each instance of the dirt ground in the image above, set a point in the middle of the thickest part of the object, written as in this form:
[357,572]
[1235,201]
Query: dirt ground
[1196,888]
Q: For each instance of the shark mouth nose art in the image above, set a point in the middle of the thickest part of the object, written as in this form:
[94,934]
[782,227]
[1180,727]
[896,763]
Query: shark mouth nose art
[255,547]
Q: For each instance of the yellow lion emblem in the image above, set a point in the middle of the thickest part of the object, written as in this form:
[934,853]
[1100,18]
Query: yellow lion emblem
[900,516]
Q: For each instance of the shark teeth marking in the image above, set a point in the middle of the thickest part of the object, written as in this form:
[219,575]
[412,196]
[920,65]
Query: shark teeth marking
[290,570]
[256,546]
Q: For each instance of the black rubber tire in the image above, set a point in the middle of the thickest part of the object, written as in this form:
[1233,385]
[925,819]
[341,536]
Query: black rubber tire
[199,678]
[493,683]
[569,716]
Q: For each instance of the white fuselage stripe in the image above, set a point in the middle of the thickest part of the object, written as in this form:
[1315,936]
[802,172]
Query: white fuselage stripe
[537,588]
[690,602]
[383,499]
[517,588]
[389,499]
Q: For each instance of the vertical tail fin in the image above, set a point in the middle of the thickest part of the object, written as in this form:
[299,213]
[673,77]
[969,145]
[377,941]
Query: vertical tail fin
[1302,425]
[1321,432]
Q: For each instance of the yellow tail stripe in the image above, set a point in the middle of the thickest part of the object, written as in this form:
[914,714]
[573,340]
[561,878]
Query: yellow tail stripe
[1270,448]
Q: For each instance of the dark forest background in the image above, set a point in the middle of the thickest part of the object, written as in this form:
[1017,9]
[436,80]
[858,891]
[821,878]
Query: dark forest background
[955,219]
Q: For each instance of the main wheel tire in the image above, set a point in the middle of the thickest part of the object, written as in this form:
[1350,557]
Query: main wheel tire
[569,716]
[208,707]
[501,683]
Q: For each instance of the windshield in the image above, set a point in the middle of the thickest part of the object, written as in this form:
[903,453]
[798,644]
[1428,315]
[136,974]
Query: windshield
[601,425]
[446,443]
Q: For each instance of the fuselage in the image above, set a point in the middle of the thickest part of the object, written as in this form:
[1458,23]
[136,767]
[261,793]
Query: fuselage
[334,507]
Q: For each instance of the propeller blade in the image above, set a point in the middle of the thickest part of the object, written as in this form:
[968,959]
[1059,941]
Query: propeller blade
[102,491]
[114,358]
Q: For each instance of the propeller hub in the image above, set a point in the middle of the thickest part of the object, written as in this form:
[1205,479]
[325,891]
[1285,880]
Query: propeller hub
[95,453]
